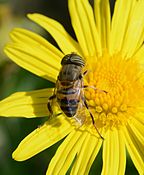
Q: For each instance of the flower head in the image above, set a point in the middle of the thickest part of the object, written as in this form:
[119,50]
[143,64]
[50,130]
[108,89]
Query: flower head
[114,51]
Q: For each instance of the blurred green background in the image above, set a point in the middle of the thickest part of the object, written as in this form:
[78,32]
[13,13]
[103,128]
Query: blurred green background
[13,78]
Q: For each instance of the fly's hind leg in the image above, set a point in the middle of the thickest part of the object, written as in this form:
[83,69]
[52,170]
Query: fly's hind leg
[93,121]
[49,105]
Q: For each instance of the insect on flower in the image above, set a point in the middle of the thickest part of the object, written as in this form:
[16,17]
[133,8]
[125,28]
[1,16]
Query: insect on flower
[69,90]
[114,61]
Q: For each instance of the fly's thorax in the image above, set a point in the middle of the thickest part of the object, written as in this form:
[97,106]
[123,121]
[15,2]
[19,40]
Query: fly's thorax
[69,91]
[70,72]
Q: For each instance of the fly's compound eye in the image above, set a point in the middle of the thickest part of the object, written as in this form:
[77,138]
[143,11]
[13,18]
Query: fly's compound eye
[73,59]
[65,59]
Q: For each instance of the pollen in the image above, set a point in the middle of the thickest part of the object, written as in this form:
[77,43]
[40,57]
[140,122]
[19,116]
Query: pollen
[117,92]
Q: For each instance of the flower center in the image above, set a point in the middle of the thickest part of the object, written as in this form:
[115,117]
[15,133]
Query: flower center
[119,90]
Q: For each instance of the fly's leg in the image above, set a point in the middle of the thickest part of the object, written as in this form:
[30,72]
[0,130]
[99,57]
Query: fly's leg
[85,86]
[93,122]
[85,72]
[49,103]
[49,106]
[81,75]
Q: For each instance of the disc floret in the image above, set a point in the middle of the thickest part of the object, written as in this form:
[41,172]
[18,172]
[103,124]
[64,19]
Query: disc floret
[118,93]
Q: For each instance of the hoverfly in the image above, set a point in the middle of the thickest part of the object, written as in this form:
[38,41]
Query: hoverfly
[69,92]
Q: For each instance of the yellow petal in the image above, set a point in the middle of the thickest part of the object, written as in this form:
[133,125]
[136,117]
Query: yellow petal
[137,128]
[86,155]
[26,104]
[120,22]
[103,21]
[140,116]
[122,154]
[42,138]
[30,59]
[140,52]
[66,43]
[66,153]
[139,55]
[83,22]
[23,36]
[134,36]
[135,149]
[34,54]
[114,156]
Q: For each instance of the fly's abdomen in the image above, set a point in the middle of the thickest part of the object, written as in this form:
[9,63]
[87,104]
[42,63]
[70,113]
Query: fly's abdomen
[69,107]
[68,101]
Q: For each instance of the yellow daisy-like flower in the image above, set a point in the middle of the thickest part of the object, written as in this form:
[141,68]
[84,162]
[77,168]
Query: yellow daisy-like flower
[114,53]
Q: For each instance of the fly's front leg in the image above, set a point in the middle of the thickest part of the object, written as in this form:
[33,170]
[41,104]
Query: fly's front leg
[81,75]
[85,72]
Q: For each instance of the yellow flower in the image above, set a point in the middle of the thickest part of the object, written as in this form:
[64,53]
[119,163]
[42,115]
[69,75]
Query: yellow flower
[114,53]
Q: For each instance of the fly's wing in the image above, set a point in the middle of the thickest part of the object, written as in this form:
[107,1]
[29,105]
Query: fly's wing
[80,116]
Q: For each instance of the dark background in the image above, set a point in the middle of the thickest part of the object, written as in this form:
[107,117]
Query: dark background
[13,78]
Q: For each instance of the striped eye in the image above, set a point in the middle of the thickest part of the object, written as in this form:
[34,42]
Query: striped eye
[73,58]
